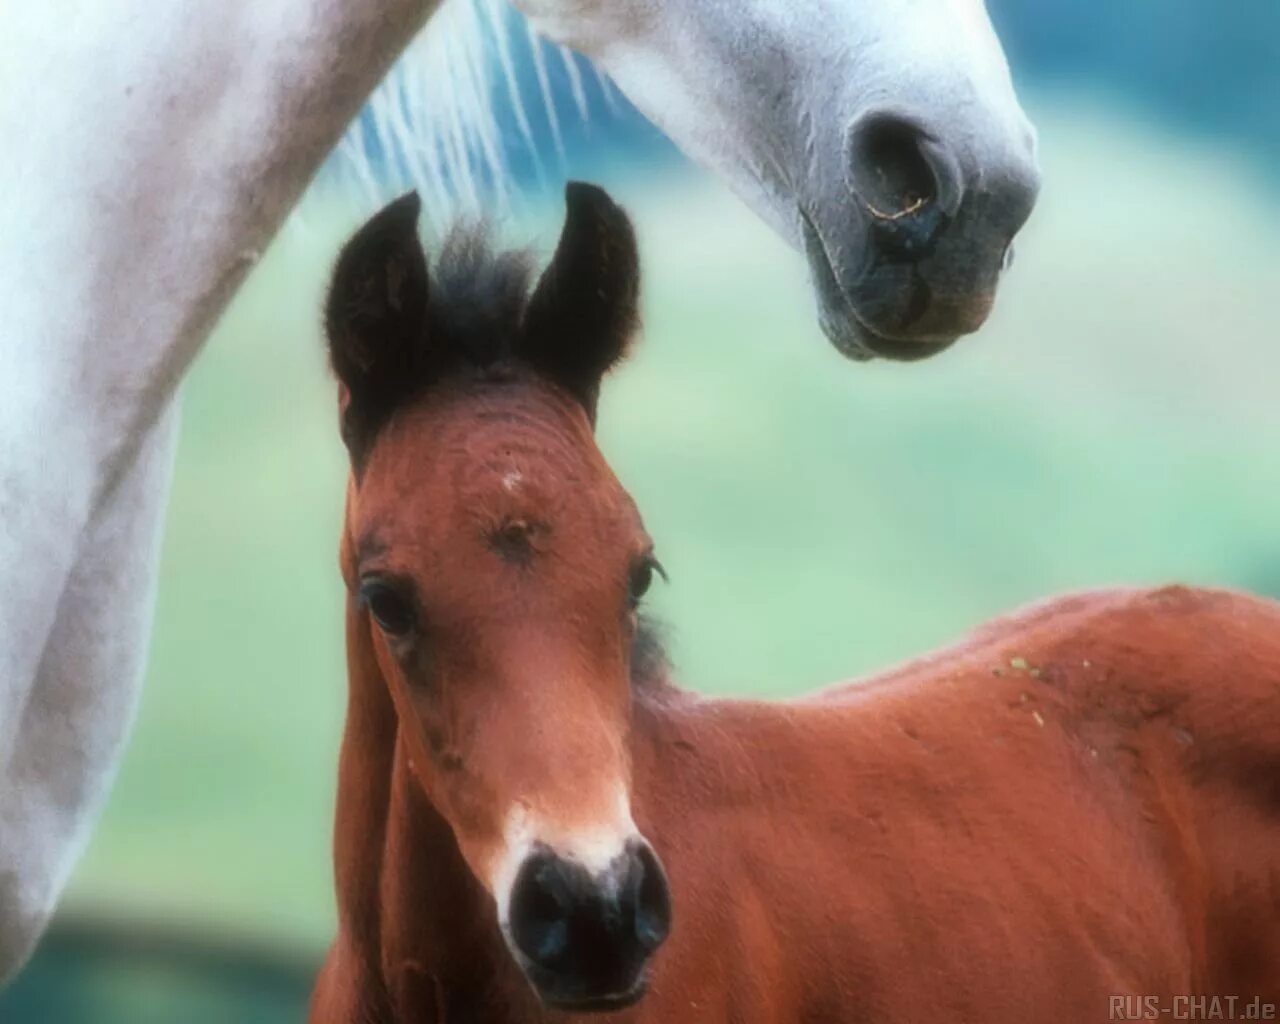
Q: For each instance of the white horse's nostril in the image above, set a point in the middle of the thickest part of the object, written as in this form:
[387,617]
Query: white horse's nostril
[890,171]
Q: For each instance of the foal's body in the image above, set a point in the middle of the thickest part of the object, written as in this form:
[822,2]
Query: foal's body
[956,840]
[1080,803]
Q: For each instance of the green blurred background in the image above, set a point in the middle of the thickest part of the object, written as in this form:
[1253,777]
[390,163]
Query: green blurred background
[1115,422]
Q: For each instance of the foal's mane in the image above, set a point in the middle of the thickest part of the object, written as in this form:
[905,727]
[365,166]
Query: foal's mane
[650,664]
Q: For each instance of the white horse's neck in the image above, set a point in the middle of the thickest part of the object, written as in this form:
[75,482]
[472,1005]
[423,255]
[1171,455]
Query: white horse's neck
[150,186]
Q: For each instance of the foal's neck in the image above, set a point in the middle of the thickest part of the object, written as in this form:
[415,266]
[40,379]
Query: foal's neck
[442,951]
[422,931]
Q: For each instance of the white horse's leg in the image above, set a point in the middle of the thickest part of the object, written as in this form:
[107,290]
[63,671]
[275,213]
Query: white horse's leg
[74,724]
[35,579]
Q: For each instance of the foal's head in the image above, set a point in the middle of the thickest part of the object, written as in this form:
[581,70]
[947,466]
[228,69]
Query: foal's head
[498,565]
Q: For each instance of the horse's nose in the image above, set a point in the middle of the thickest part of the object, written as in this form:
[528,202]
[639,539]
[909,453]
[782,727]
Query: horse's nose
[585,937]
[942,202]
[907,181]
[913,179]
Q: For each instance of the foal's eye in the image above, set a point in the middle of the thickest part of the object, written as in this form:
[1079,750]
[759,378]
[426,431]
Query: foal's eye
[642,577]
[390,609]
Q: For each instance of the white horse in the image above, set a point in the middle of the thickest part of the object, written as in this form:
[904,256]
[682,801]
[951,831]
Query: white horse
[152,150]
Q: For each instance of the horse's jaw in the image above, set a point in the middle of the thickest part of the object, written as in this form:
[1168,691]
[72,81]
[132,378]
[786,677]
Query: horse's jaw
[893,153]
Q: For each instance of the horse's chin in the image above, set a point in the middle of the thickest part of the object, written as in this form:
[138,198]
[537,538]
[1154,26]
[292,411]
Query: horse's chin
[578,994]
[599,1004]
[855,340]
[845,327]
[572,998]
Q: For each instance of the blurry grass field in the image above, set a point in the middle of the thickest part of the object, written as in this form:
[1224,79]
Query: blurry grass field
[1116,422]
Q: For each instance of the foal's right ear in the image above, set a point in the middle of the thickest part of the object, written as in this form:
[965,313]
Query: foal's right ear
[376,316]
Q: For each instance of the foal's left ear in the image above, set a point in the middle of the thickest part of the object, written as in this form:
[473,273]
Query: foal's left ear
[586,306]
[375,317]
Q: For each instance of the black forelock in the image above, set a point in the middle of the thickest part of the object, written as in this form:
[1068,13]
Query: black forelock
[478,299]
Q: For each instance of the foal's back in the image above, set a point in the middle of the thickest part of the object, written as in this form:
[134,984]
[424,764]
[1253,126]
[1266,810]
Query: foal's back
[1081,802]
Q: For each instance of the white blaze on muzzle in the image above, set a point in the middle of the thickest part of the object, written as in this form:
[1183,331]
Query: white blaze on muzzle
[593,845]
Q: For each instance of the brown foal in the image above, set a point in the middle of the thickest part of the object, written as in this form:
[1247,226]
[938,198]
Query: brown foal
[1076,808]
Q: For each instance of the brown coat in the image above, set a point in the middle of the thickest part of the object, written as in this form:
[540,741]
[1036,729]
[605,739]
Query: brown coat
[1079,802]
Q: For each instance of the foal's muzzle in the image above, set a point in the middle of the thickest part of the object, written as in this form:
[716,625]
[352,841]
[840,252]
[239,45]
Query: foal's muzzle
[584,939]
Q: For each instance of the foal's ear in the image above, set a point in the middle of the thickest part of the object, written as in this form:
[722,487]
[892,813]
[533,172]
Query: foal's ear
[376,315]
[585,309]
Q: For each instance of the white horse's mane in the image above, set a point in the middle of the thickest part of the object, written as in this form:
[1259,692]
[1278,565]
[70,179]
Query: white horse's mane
[435,123]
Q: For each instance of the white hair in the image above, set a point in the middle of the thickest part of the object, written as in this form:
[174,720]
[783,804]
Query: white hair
[435,123]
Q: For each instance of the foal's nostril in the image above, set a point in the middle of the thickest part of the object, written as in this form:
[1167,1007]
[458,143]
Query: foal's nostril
[589,928]
[542,907]
[649,897]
